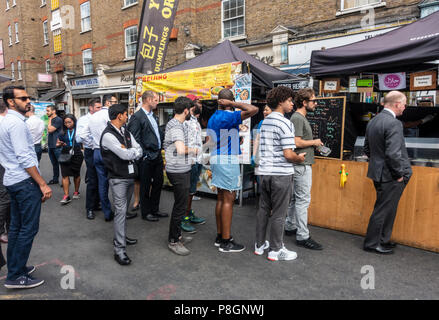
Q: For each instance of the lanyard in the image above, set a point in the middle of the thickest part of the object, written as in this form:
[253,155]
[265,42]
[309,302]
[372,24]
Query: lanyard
[71,137]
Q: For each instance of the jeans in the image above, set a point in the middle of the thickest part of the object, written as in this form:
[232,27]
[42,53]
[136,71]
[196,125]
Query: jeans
[25,221]
[181,184]
[54,155]
[102,182]
[273,203]
[195,177]
[91,179]
[5,205]
[122,190]
[297,217]
[38,151]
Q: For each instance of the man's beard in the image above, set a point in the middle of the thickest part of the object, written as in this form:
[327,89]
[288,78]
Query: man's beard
[188,116]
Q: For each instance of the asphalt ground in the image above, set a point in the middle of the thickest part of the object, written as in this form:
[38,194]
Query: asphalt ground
[67,240]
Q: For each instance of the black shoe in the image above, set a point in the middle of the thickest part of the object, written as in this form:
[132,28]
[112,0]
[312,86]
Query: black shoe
[389,245]
[159,214]
[379,250]
[110,218]
[131,215]
[98,208]
[231,246]
[122,259]
[290,233]
[52,182]
[136,207]
[90,215]
[150,217]
[309,244]
[130,241]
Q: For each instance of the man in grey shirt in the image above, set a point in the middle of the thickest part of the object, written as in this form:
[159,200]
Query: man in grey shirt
[178,171]
[297,218]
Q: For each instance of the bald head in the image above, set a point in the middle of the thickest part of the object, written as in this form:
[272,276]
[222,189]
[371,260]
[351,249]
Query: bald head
[395,101]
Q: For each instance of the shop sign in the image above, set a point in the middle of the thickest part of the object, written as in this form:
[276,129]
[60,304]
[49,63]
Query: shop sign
[84,83]
[331,85]
[44,77]
[392,81]
[423,81]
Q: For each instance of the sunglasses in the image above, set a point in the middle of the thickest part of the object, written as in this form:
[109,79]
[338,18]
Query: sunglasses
[24,99]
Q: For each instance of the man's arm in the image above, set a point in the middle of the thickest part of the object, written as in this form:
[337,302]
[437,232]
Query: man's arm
[45,189]
[300,143]
[393,152]
[248,110]
[291,156]
[111,143]
[50,127]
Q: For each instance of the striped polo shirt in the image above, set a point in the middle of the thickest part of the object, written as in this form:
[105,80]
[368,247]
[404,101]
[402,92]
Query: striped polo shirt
[277,134]
[175,163]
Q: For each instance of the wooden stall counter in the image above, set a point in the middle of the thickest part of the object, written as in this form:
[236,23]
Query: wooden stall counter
[348,209]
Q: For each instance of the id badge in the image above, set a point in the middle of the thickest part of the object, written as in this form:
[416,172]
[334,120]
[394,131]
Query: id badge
[130,169]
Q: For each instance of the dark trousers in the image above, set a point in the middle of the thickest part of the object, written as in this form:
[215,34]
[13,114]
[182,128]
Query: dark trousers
[273,205]
[5,207]
[54,155]
[25,221]
[102,182]
[181,183]
[91,179]
[383,216]
[38,151]
[151,183]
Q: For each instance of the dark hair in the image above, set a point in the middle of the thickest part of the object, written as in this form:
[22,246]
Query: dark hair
[93,102]
[107,97]
[182,103]
[226,94]
[52,106]
[116,109]
[303,95]
[278,95]
[71,117]
[8,93]
[3,106]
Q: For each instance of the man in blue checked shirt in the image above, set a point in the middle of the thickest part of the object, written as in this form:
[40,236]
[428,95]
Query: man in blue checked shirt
[26,187]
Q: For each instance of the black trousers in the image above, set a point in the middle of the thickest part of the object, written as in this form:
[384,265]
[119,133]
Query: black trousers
[91,179]
[181,183]
[151,183]
[383,216]
[2,258]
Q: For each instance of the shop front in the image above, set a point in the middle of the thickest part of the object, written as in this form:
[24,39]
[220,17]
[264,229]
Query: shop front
[81,90]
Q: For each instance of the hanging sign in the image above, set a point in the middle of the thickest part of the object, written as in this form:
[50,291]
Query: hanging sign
[423,81]
[392,81]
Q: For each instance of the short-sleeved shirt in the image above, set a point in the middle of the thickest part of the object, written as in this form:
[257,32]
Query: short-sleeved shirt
[303,129]
[277,135]
[175,163]
[223,127]
[53,137]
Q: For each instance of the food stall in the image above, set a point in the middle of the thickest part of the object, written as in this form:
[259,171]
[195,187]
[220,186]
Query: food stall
[224,66]
[404,59]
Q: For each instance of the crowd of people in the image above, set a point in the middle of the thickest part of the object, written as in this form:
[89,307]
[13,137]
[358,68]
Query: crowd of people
[123,157]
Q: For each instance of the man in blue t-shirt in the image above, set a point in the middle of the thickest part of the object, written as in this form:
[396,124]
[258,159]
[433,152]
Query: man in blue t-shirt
[55,129]
[223,132]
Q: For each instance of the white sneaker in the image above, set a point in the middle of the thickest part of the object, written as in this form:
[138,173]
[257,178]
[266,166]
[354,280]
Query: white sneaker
[282,255]
[260,251]
[195,198]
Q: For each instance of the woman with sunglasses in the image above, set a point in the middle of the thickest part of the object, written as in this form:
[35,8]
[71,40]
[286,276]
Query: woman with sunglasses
[71,168]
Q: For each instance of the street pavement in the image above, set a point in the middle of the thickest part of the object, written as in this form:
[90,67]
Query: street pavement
[66,238]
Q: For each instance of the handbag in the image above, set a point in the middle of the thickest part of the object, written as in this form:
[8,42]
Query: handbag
[66,157]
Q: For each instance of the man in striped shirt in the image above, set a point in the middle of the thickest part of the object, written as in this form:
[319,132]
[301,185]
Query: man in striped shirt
[276,171]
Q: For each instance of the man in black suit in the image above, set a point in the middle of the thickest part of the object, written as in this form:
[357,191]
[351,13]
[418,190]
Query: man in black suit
[145,128]
[389,168]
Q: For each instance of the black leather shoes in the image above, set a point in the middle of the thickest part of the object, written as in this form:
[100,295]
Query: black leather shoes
[122,259]
[90,215]
[52,182]
[379,250]
[130,241]
[159,214]
[150,217]
[131,215]
[136,207]
[389,245]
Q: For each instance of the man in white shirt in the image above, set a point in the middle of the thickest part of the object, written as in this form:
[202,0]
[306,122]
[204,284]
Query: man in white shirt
[97,124]
[36,127]
[91,176]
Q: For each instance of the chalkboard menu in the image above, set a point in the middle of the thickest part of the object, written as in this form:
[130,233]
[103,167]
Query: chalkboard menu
[327,123]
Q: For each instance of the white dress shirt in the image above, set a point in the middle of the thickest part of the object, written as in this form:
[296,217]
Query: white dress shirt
[96,125]
[82,134]
[36,127]
[110,142]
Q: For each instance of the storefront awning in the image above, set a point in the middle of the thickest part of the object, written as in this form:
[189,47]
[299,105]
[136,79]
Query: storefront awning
[125,89]
[4,78]
[51,94]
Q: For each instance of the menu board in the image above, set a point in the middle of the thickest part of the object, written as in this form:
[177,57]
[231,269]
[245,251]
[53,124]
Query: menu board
[327,123]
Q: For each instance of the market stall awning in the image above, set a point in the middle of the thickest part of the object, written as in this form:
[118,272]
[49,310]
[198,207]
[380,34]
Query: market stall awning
[225,52]
[406,46]
[51,94]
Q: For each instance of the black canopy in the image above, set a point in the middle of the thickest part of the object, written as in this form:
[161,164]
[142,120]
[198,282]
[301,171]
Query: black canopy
[404,47]
[225,52]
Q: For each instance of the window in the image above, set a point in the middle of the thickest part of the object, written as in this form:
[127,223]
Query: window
[43,2]
[85,16]
[233,18]
[351,4]
[7,4]
[130,42]
[12,71]
[45,33]
[47,66]
[13,3]
[16,32]
[19,70]
[87,61]
[129,2]
[10,35]
[57,44]
[55,4]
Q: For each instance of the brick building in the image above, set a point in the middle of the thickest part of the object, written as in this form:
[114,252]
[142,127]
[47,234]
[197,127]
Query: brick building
[85,48]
